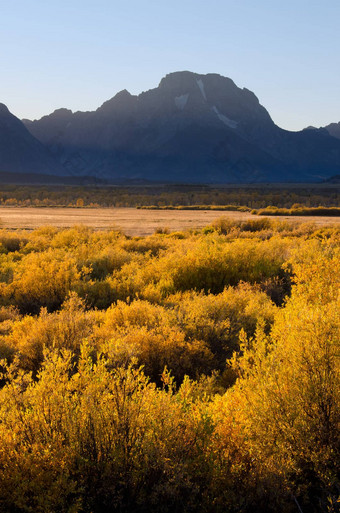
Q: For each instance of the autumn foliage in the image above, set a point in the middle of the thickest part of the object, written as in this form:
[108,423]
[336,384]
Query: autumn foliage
[185,372]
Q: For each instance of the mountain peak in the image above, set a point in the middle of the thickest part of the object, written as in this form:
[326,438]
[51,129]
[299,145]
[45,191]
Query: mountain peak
[4,109]
[20,151]
[215,92]
[334,129]
[188,79]
[122,100]
[62,112]
[192,127]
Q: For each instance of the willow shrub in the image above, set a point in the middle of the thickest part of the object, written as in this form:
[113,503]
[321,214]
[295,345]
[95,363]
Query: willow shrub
[206,263]
[28,336]
[104,267]
[42,279]
[99,440]
[84,429]
[287,398]
[191,334]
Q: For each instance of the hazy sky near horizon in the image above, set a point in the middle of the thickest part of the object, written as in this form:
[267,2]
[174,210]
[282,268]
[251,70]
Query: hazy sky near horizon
[79,53]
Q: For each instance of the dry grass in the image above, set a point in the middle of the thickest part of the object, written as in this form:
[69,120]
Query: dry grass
[130,220]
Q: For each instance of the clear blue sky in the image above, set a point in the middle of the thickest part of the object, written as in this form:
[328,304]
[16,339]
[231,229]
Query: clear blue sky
[79,53]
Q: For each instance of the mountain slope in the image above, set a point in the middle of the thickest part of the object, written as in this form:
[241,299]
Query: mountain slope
[190,128]
[334,129]
[20,152]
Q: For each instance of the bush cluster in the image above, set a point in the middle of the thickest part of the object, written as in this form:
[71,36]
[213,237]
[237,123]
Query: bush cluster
[195,372]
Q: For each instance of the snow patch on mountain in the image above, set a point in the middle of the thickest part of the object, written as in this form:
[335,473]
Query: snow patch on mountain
[181,101]
[227,121]
[201,86]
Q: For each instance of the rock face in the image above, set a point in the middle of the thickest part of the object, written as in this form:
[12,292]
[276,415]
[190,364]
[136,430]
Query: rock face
[191,128]
[20,152]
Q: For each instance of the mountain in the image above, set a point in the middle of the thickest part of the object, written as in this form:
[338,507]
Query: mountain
[333,179]
[333,129]
[20,151]
[192,128]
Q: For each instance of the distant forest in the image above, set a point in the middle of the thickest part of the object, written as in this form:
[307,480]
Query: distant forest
[253,197]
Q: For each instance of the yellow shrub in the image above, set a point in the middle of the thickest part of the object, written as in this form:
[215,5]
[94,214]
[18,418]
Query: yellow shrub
[66,329]
[42,279]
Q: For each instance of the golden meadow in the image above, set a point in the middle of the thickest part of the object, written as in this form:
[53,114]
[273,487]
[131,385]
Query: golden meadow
[181,372]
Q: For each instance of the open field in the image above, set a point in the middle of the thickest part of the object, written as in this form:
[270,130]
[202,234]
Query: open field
[130,220]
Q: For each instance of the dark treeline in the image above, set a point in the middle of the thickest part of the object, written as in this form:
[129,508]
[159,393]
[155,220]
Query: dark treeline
[253,197]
